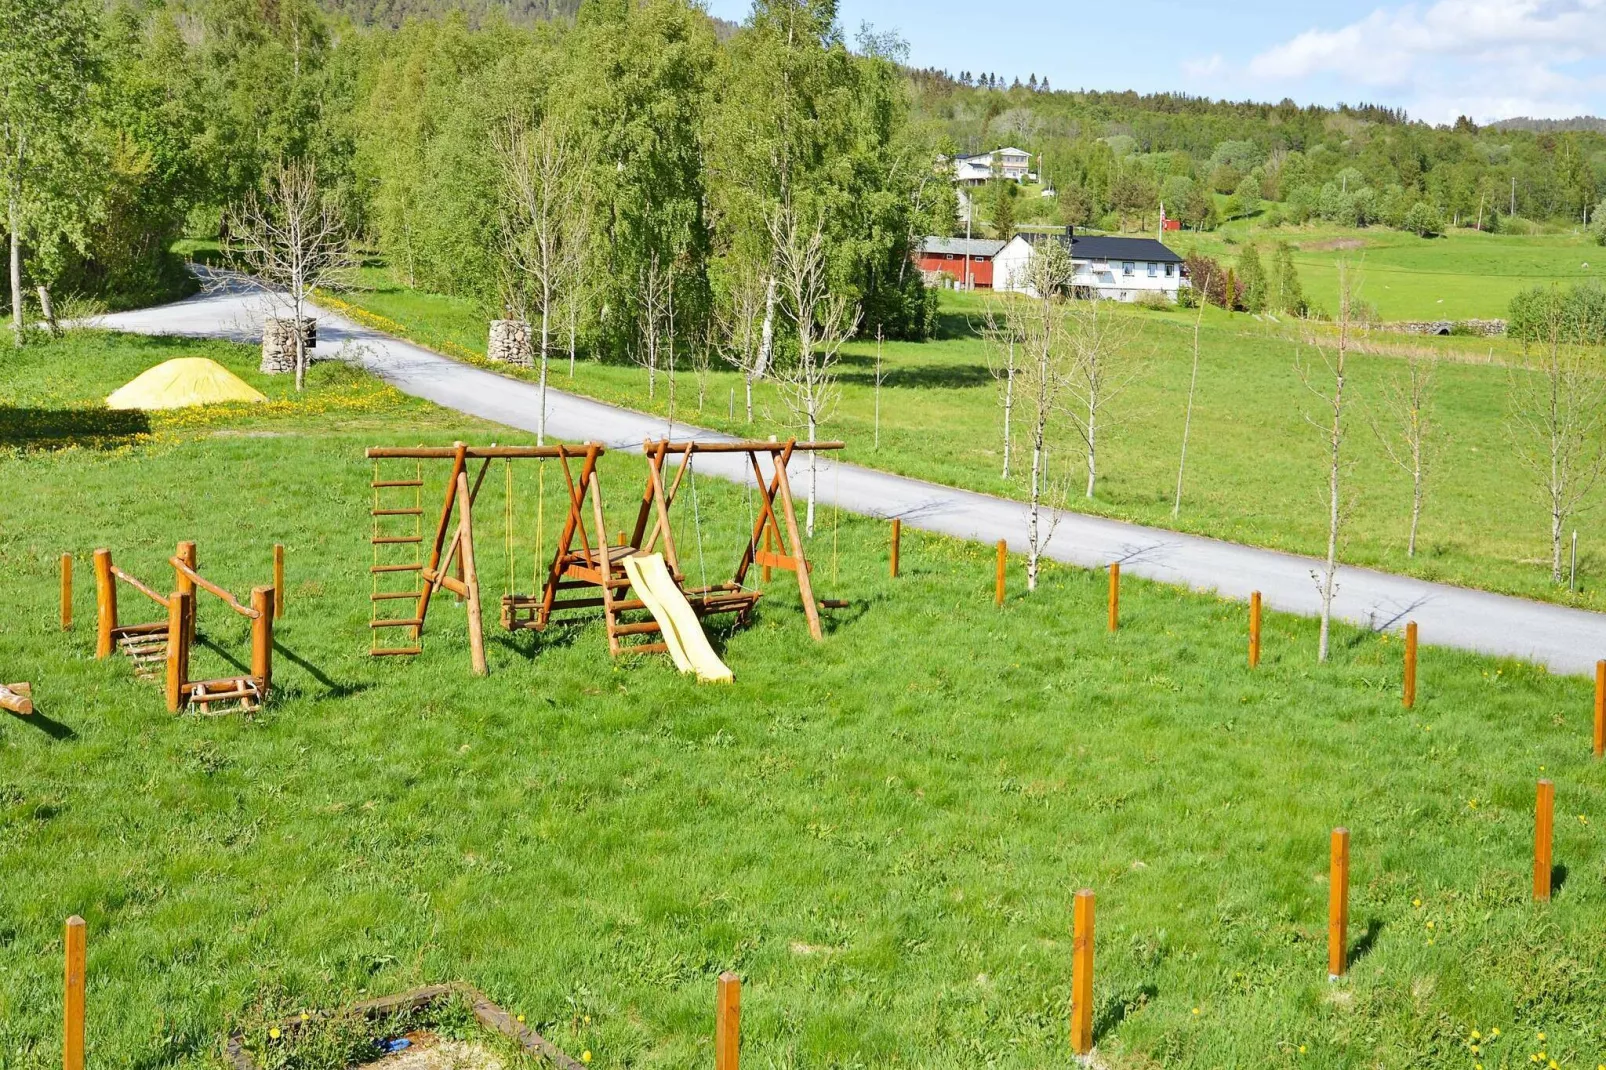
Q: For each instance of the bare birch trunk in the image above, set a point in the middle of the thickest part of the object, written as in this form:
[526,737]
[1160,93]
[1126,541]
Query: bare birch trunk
[546,341]
[1033,550]
[15,226]
[1334,473]
[814,478]
[1009,404]
[766,345]
[47,312]
[747,382]
[1092,446]
[1187,413]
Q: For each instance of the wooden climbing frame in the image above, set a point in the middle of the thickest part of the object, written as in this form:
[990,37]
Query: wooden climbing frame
[434,567]
[162,647]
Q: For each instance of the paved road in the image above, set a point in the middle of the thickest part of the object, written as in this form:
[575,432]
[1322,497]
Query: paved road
[1565,640]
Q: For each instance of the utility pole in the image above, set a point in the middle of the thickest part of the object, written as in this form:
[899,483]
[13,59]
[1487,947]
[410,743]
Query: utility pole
[1513,194]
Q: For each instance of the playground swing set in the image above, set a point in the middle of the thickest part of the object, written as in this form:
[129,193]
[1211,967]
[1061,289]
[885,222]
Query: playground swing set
[162,647]
[638,583]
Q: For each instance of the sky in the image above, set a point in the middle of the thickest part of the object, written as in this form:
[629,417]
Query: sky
[1488,59]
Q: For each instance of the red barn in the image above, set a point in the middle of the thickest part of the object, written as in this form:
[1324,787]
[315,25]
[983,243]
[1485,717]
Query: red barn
[955,257]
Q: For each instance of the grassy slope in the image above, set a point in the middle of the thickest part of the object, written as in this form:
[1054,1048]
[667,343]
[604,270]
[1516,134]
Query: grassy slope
[1461,275]
[1257,472]
[881,832]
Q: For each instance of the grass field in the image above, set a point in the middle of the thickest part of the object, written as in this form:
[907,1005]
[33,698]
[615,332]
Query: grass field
[1257,473]
[1464,274]
[881,832]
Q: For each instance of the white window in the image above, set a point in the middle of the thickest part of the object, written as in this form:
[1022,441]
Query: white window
[1168,270]
[1128,267]
[1154,270]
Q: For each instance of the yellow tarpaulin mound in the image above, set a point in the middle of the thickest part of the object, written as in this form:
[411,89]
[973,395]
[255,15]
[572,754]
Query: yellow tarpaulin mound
[180,383]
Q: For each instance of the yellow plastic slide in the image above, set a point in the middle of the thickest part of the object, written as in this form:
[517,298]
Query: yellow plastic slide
[683,632]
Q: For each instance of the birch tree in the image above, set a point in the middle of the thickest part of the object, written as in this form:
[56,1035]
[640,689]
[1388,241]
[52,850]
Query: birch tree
[290,237]
[1002,338]
[823,321]
[1408,440]
[656,285]
[1187,411]
[1041,379]
[1327,384]
[1557,422]
[46,69]
[537,170]
[738,318]
[1104,365]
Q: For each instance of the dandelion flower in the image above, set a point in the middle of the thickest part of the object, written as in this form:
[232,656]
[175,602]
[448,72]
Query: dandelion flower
[1476,1050]
[585,1056]
[1554,1065]
[273,1034]
[521,1019]
[1472,804]
[1430,925]
[1196,1010]
[1476,1035]
[1417,903]
[1302,1049]
[586,1018]
[1541,1037]
[1495,1031]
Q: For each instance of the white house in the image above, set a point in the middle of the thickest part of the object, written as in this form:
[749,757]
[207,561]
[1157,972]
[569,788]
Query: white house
[1120,269]
[1005,163]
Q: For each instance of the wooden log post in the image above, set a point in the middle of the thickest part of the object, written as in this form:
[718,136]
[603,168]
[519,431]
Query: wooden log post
[105,603]
[278,580]
[1409,697]
[897,538]
[471,576]
[1544,830]
[1115,595]
[1338,906]
[728,1022]
[1001,572]
[186,585]
[1254,629]
[769,548]
[72,1041]
[1600,709]
[17,698]
[1082,973]
[262,599]
[66,592]
[180,608]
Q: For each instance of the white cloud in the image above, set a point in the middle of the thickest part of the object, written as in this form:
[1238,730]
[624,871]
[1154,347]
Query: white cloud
[1485,58]
[1205,68]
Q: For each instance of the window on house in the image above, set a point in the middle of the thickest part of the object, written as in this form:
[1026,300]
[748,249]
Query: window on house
[1169,270]
[1154,270]
[1128,267]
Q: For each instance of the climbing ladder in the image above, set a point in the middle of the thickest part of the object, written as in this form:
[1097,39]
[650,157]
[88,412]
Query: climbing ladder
[397,535]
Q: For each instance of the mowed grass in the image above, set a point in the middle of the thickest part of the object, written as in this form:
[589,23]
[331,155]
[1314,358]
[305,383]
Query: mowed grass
[881,833]
[1462,274]
[1257,467]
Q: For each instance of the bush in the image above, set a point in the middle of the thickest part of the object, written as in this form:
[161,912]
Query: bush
[1423,220]
[1576,316]
[1597,225]
[1154,301]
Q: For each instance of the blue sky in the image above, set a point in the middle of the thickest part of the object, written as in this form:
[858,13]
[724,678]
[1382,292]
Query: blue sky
[1490,59]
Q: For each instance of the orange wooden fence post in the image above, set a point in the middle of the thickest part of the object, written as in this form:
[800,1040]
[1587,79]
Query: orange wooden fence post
[1410,664]
[1115,595]
[180,618]
[1003,564]
[1600,709]
[1082,973]
[1544,826]
[186,553]
[1338,906]
[897,537]
[105,603]
[262,599]
[66,592]
[728,1022]
[72,1047]
[1254,629]
[278,580]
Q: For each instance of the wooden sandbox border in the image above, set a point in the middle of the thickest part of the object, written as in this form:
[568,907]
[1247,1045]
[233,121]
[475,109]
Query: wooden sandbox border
[489,1015]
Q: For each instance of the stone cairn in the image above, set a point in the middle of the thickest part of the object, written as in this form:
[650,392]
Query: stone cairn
[510,343]
[279,344]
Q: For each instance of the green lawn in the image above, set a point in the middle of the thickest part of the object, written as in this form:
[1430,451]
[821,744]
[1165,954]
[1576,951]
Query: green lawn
[1257,471]
[1464,274]
[881,832]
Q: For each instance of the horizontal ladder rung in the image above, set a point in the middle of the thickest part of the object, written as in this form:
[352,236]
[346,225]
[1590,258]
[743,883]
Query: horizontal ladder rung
[376,484]
[644,648]
[413,623]
[395,568]
[395,540]
[395,512]
[644,628]
[386,596]
[386,652]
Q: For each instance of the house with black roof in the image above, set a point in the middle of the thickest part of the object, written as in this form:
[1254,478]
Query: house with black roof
[1116,268]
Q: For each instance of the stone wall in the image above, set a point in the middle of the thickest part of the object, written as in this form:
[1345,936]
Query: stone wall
[1484,328]
[510,343]
[279,344]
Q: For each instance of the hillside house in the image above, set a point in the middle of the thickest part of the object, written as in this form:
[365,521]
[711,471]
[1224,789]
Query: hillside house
[977,170]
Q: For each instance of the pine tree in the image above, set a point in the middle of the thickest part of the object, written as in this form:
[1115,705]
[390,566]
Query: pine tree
[1251,280]
[1287,293]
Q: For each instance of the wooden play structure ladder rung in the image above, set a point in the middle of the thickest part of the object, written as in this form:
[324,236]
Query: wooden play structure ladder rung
[646,627]
[413,622]
[379,483]
[396,540]
[387,596]
[416,566]
[397,521]
[396,651]
[241,690]
[396,512]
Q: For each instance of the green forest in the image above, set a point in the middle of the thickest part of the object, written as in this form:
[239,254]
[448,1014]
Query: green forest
[126,127]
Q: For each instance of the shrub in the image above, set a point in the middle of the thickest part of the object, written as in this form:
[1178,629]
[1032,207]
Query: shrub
[1423,220]
[1597,225]
[1576,315]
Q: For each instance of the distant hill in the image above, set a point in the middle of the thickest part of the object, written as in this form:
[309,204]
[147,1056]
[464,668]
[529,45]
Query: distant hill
[1592,123]
[394,12]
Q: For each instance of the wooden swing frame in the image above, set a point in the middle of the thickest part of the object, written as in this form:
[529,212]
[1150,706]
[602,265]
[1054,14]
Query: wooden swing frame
[595,566]
[461,493]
